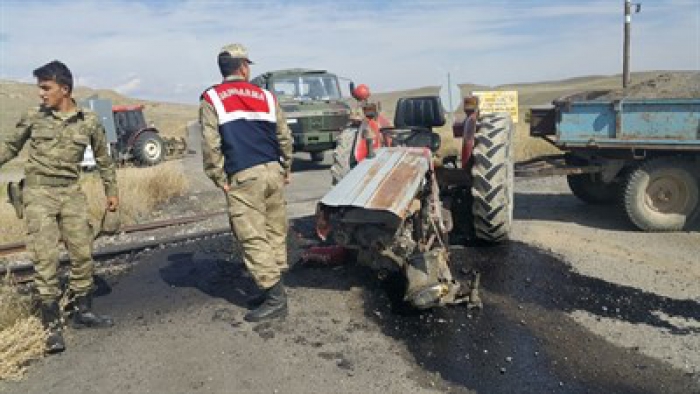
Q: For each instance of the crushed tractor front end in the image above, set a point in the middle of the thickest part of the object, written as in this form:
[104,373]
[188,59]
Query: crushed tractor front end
[388,209]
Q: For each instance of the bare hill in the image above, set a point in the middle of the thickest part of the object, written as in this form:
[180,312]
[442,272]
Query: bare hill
[170,118]
[648,84]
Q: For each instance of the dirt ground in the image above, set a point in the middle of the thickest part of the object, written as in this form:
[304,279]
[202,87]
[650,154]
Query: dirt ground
[578,302]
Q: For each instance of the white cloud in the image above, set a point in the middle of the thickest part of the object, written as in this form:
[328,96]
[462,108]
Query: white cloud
[129,87]
[172,46]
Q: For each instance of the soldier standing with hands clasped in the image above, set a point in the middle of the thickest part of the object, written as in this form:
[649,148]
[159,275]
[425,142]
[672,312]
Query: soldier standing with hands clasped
[55,206]
[247,151]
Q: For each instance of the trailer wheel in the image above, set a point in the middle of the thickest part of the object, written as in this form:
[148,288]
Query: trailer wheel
[342,154]
[589,188]
[661,195]
[492,178]
[317,157]
[149,149]
[592,190]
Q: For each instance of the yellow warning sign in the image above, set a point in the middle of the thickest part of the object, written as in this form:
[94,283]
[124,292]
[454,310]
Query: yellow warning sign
[499,101]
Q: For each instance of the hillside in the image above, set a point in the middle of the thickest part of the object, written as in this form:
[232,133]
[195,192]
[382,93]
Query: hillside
[171,118]
[685,83]
[681,84]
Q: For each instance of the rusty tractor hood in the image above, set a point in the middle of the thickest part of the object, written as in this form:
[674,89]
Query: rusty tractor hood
[388,182]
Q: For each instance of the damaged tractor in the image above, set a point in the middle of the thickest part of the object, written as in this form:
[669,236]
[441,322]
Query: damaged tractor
[396,206]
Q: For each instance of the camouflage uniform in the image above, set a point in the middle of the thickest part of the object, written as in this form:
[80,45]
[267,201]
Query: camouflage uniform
[55,206]
[257,209]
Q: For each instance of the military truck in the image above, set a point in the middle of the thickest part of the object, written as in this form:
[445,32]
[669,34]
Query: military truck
[313,104]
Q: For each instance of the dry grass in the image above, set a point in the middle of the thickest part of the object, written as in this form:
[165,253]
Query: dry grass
[141,190]
[22,336]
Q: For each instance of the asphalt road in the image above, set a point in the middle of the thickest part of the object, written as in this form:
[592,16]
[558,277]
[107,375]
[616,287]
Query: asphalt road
[578,302]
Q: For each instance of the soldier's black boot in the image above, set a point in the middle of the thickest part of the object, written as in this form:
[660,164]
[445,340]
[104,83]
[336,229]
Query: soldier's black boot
[274,305]
[51,320]
[83,315]
[256,300]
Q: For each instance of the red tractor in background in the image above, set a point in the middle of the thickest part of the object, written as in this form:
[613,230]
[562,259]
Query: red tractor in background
[395,206]
[130,138]
[136,140]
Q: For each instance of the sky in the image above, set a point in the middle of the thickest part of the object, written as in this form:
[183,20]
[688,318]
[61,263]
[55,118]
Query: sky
[166,50]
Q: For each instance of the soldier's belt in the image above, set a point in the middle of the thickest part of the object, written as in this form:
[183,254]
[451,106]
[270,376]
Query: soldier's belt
[41,180]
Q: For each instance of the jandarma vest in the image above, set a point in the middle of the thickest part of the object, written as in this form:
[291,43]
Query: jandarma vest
[247,124]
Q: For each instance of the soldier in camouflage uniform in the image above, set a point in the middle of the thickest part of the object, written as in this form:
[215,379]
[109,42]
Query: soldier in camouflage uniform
[55,207]
[247,149]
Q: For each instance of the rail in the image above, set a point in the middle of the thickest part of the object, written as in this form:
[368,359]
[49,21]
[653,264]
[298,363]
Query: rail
[107,251]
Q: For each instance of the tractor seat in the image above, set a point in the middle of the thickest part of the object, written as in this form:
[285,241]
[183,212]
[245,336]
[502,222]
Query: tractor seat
[414,120]
[419,113]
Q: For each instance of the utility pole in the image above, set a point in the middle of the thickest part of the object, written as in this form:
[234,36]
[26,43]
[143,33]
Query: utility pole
[626,50]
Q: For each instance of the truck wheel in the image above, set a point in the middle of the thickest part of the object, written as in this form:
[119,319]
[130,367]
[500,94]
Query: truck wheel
[342,154]
[317,157]
[492,178]
[149,149]
[661,195]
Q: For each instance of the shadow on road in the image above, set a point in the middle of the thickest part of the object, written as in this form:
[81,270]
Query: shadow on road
[304,164]
[525,340]
[530,275]
[568,208]
[220,273]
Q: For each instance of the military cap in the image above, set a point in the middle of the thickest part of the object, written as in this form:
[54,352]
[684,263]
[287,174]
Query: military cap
[236,51]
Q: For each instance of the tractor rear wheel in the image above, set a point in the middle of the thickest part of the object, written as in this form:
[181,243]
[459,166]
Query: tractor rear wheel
[492,178]
[662,195]
[342,154]
[148,149]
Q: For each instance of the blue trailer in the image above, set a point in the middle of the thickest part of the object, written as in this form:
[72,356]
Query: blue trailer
[643,153]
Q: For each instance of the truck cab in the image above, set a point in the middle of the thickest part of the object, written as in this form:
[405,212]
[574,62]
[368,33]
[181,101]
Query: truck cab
[313,104]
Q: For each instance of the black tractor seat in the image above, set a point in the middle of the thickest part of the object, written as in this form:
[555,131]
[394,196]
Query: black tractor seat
[414,120]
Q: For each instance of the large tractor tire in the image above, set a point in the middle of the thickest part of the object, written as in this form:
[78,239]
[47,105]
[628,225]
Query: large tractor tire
[342,154]
[148,149]
[662,194]
[492,178]
[589,188]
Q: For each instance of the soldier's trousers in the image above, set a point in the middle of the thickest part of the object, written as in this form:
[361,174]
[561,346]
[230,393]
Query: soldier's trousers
[258,216]
[54,213]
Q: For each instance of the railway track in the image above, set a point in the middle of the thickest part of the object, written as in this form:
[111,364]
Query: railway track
[24,269]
